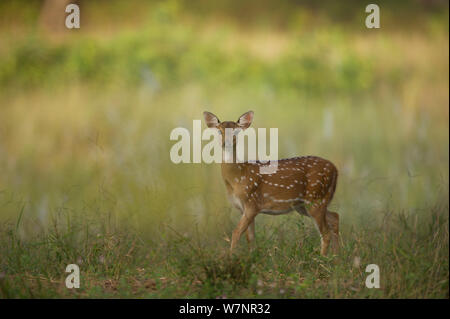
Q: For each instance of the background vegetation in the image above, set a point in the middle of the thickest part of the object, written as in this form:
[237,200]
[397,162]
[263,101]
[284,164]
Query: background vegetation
[85,173]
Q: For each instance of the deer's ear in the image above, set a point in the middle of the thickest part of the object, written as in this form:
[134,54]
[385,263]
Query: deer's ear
[245,120]
[211,120]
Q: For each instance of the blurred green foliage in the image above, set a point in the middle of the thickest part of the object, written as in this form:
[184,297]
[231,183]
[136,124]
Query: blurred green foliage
[171,53]
[173,56]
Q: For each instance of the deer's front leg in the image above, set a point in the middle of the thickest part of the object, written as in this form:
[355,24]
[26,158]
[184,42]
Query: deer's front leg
[251,234]
[247,218]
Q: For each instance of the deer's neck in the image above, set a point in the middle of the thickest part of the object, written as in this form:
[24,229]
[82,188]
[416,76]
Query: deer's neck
[232,170]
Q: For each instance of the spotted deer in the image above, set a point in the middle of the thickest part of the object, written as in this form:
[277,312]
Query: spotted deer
[305,184]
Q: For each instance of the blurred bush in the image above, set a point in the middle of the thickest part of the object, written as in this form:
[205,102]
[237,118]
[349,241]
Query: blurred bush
[167,51]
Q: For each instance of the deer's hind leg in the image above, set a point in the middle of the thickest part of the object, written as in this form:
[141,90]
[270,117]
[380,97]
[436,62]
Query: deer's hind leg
[332,219]
[319,213]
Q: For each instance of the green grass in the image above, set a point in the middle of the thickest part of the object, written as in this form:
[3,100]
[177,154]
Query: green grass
[86,176]
[411,251]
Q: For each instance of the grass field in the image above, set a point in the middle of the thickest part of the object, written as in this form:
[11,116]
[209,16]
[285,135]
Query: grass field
[86,177]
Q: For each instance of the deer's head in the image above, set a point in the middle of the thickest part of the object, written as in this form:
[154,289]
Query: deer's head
[228,131]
